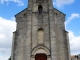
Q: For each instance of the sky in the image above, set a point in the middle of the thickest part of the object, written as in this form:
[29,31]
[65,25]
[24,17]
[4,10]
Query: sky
[9,8]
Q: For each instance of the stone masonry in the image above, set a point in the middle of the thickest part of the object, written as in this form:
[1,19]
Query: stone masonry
[40,29]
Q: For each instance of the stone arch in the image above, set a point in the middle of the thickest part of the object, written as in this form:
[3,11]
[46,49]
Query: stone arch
[40,29]
[40,49]
[35,8]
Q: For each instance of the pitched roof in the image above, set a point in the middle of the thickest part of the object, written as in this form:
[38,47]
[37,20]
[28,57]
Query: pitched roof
[73,56]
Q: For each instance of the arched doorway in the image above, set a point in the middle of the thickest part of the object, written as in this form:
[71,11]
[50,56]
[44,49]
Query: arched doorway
[41,56]
[40,53]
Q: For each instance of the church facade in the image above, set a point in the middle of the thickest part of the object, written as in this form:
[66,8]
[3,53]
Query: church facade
[40,33]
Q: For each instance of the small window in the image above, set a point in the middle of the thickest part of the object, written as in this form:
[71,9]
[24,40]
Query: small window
[40,9]
[56,13]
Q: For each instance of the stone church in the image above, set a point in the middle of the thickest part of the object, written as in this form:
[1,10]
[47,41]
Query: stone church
[40,33]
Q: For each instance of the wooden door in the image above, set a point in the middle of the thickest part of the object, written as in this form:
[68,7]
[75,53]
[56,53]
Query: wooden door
[41,57]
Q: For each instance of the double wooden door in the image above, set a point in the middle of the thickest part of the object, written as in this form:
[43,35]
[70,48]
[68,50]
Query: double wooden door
[41,57]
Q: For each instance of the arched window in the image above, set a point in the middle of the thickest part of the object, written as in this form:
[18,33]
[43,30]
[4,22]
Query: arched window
[40,8]
[40,36]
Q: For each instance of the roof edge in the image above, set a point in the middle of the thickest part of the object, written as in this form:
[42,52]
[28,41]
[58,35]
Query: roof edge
[59,11]
[20,12]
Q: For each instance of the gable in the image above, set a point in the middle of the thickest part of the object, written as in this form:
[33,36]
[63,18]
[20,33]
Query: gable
[21,13]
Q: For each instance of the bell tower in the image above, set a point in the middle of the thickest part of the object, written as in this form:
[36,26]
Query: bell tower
[33,3]
[40,33]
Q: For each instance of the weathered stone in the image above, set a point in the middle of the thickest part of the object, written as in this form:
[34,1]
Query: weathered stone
[55,42]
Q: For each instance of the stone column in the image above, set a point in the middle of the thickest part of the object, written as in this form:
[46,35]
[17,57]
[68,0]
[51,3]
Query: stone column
[28,37]
[52,36]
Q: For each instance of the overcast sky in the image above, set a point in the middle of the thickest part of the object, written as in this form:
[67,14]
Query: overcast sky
[9,8]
